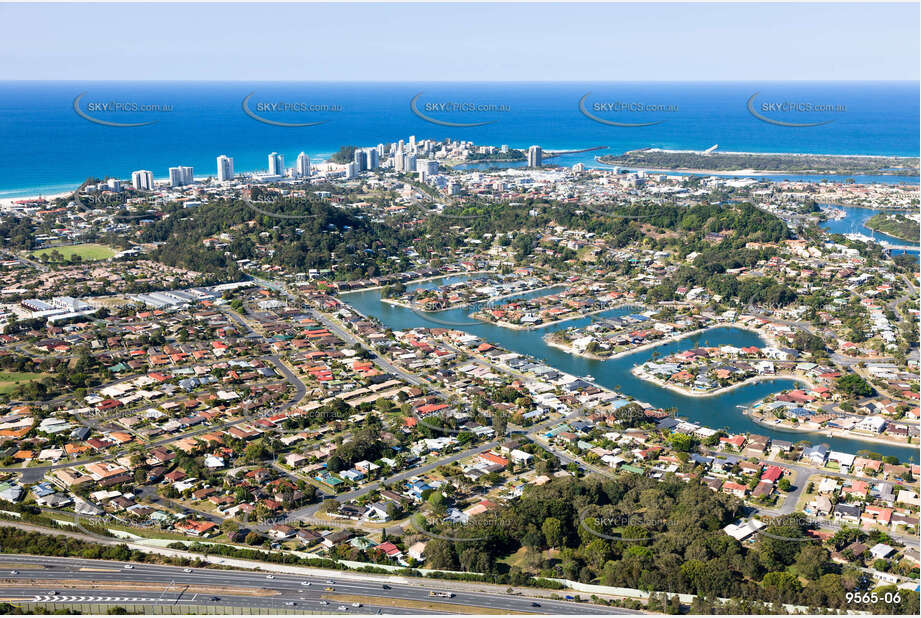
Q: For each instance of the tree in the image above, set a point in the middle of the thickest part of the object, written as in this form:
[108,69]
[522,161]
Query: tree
[810,562]
[553,532]
[854,385]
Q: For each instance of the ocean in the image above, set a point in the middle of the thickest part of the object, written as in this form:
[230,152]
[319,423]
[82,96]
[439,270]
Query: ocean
[47,147]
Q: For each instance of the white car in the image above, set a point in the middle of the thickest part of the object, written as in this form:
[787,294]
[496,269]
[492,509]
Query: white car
[356,604]
[305,583]
[187,570]
[129,566]
[343,608]
[270,577]
[14,572]
[324,602]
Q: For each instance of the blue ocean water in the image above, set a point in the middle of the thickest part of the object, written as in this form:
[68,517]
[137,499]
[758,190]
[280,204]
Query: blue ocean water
[47,147]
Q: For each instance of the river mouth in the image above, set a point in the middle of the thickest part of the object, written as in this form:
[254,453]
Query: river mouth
[718,412]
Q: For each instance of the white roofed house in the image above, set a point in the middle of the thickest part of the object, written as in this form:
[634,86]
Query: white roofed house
[871,424]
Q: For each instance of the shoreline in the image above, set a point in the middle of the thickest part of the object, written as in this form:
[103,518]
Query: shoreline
[910,241]
[667,340]
[403,304]
[824,431]
[720,391]
[909,179]
[11,202]
[413,282]
[511,326]
[775,154]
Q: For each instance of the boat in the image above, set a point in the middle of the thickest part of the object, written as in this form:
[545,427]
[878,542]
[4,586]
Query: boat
[588,378]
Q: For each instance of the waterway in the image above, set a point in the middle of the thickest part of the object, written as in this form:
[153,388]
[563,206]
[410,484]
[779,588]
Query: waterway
[854,223]
[720,412]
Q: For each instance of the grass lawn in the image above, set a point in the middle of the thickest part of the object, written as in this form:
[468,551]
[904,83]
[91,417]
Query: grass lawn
[89,252]
[9,380]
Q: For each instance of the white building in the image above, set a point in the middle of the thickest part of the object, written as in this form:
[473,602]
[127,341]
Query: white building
[276,164]
[180,176]
[302,166]
[142,180]
[224,168]
[535,156]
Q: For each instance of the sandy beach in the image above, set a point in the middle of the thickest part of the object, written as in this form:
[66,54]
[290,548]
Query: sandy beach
[10,202]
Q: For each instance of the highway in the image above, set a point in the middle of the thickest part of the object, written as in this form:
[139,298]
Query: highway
[63,580]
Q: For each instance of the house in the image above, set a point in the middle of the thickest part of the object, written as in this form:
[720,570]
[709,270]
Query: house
[390,550]
[196,528]
[846,512]
[281,532]
[820,506]
[736,489]
[740,531]
[881,551]
[416,551]
[815,455]
[377,511]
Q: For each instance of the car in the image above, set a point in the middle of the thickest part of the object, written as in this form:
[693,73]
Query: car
[535,604]
[305,583]
[187,570]
[324,602]
[53,592]
[329,581]
[129,566]
[343,608]
[569,597]
[270,577]
[290,603]
[215,598]
[14,572]
[329,589]
[356,604]
[385,587]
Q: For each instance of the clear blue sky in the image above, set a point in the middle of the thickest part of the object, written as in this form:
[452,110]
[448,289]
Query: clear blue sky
[462,42]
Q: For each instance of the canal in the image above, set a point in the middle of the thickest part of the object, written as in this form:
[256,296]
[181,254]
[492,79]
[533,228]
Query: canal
[719,412]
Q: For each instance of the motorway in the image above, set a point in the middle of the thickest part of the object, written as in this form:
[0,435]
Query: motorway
[65,580]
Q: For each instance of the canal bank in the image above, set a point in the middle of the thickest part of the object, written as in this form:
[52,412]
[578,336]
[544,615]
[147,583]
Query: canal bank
[724,411]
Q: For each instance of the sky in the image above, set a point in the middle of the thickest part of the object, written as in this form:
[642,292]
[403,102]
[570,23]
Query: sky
[460,42]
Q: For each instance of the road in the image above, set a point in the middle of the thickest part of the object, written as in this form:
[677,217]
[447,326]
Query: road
[77,577]
[311,509]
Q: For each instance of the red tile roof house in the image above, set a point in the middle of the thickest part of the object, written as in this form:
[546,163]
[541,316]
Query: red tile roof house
[196,528]
[736,441]
[390,550]
[492,458]
[736,489]
[772,474]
